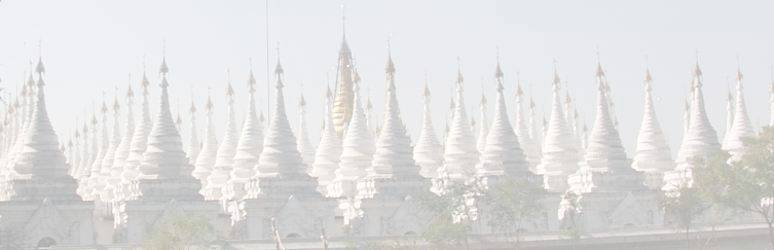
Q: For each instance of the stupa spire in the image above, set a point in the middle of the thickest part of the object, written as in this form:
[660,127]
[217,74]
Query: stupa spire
[139,141]
[122,151]
[524,128]
[741,127]
[483,129]
[652,154]
[502,154]
[280,156]
[460,154]
[343,98]
[224,159]
[115,140]
[357,144]
[392,156]
[560,152]
[164,157]
[605,151]
[699,141]
[305,148]
[41,157]
[428,152]
[328,154]
[193,141]
[729,113]
[206,158]
[250,145]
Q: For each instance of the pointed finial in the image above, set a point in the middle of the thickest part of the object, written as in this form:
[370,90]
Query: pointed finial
[459,71]
[251,82]
[301,100]
[229,89]
[697,69]
[129,91]
[600,70]
[116,104]
[739,75]
[278,69]
[192,109]
[163,69]
[498,70]
[483,95]
[40,69]
[426,89]
[209,105]
[519,90]
[390,68]
[104,108]
[557,80]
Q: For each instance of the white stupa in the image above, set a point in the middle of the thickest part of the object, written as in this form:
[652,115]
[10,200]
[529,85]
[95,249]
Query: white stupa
[110,153]
[483,126]
[224,159]
[305,148]
[206,158]
[460,153]
[193,140]
[248,149]
[357,153]
[652,155]
[122,151]
[86,190]
[84,166]
[165,186]
[39,196]
[560,152]
[140,136]
[285,192]
[502,153]
[729,116]
[393,153]
[699,142]
[611,193]
[605,167]
[164,159]
[393,178]
[280,156]
[328,154]
[428,152]
[75,160]
[523,129]
[741,127]
[535,132]
[113,188]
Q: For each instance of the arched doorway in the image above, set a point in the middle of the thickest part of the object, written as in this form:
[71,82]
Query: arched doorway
[46,243]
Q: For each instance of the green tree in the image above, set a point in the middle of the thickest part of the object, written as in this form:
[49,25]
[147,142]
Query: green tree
[683,205]
[747,183]
[511,202]
[452,215]
[181,231]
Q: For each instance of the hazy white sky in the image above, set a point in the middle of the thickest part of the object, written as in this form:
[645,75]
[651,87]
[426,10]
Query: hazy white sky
[91,46]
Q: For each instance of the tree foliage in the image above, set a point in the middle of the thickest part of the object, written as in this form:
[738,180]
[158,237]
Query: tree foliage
[181,232]
[743,183]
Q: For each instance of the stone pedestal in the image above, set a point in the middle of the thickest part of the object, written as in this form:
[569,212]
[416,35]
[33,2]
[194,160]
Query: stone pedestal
[299,211]
[555,181]
[610,200]
[390,206]
[164,199]
[35,212]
